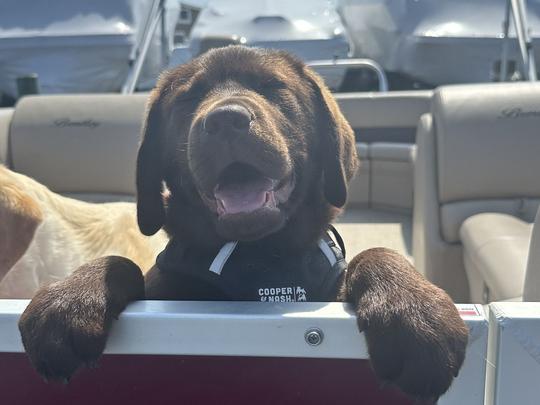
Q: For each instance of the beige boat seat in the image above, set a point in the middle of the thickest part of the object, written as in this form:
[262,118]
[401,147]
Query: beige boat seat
[83,145]
[502,254]
[6,115]
[385,117]
[495,250]
[531,289]
[477,151]
[385,126]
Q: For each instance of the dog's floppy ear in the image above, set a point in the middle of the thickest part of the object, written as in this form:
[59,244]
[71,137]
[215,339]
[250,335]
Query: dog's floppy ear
[337,142]
[150,208]
[20,216]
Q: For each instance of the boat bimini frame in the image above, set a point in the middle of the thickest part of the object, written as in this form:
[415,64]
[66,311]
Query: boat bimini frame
[518,9]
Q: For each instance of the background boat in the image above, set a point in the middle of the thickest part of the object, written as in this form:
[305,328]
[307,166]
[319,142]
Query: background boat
[311,30]
[435,42]
[78,47]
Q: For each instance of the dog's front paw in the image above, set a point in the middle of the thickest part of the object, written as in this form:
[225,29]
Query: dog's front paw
[418,349]
[60,334]
[415,336]
[66,324]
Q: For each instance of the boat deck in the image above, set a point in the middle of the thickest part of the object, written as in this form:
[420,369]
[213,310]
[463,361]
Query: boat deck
[364,228]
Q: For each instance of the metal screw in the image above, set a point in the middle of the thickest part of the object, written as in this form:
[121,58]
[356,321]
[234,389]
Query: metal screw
[314,336]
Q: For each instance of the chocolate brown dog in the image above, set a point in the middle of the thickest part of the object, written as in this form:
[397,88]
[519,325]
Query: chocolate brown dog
[252,148]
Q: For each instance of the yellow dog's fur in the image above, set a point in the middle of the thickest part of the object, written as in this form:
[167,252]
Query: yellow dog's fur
[45,236]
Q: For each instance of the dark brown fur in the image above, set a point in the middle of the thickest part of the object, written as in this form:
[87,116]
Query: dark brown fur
[415,336]
[298,126]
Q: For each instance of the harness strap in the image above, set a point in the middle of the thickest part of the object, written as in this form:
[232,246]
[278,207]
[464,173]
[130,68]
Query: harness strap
[338,237]
[327,252]
[226,251]
[221,258]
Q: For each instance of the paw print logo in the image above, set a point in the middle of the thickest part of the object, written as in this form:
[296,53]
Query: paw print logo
[300,294]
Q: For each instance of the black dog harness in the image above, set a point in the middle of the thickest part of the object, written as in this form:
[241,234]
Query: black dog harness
[254,272]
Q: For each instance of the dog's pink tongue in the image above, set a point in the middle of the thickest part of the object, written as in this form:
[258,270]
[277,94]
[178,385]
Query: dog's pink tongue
[235,198]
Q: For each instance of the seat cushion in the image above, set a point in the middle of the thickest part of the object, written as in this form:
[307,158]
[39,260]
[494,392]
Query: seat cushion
[495,250]
[531,291]
[452,215]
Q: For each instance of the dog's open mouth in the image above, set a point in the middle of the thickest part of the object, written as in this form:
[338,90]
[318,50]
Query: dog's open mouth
[243,189]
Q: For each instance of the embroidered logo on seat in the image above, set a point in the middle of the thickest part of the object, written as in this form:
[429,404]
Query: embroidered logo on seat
[67,122]
[283,294]
[518,113]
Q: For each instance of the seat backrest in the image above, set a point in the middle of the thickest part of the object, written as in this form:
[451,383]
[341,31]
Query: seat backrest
[531,290]
[5,120]
[385,127]
[487,149]
[81,145]
[384,117]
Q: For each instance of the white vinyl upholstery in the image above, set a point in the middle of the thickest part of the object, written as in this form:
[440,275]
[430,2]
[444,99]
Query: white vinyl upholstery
[477,152]
[502,257]
[359,194]
[5,120]
[439,261]
[453,215]
[398,109]
[392,175]
[485,148]
[79,144]
[495,249]
[384,124]
[385,177]
[531,290]
[384,117]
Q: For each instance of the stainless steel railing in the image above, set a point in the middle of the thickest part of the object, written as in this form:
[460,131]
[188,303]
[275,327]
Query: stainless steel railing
[355,63]
[518,10]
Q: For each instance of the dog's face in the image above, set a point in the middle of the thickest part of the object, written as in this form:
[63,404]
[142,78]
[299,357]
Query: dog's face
[249,142]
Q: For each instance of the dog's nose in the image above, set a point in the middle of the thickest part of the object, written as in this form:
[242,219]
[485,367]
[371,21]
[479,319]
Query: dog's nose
[228,119]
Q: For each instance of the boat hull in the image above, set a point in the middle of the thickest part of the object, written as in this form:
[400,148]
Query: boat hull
[150,379]
[228,352]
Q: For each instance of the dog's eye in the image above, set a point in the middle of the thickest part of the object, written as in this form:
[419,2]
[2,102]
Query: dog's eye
[190,93]
[273,84]
[185,98]
[191,96]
